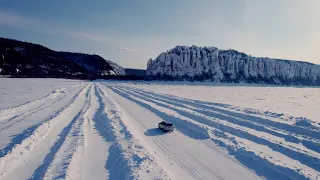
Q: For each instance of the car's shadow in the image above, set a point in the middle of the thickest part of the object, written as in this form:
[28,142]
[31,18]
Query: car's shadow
[154,132]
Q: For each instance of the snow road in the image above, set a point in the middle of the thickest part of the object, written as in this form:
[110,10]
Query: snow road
[104,130]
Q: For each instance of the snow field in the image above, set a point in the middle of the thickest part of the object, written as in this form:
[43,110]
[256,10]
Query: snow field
[107,130]
[280,144]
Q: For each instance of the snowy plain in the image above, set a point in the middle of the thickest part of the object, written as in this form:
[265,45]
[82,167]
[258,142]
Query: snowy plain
[295,101]
[13,92]
[66,129]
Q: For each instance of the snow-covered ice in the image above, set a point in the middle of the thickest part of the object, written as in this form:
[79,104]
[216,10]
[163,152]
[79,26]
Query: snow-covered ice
[67,129]
[13,92]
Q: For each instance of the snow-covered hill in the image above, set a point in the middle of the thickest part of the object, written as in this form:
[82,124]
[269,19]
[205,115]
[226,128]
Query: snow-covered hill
[65,129]
[118,70]
[210,63]
[22,59]
[95,64]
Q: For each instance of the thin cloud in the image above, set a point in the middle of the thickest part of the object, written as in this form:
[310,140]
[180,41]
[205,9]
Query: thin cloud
[89,36]
[126,50]
[8,19]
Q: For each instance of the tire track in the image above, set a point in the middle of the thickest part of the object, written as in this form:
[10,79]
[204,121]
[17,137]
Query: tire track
[87,162]
[18,118]
[272,115]
[133,161]
[291,137]
[29,131]
[26,156]
[214,118]
[249,156]
[313,133]
[306,158]
[179,160]
[16,111]
[15,116]
[57,162]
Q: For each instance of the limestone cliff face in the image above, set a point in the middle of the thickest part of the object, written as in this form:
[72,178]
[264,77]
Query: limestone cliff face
[210,63]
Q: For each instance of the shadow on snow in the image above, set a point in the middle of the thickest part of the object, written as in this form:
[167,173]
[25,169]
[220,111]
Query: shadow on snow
[154,132]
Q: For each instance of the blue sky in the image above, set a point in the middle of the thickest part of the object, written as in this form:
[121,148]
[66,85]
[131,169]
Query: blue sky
[129,32]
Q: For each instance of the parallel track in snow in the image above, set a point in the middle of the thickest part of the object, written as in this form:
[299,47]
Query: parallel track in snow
[23,159]
[232,131]
[181,152]
[23,113]
[109,131]
[18,138]
[132,157]
[230,123]
[9,114]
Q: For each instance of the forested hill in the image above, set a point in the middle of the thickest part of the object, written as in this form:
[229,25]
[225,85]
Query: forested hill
[23,59]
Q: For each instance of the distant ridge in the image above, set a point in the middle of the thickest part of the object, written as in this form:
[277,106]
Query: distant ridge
[135,72]
[23,59]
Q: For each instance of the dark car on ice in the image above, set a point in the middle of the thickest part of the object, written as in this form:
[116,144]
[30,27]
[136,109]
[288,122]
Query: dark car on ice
[166,126]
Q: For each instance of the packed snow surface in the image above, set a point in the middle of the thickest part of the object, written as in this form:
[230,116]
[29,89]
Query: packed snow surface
[63,129]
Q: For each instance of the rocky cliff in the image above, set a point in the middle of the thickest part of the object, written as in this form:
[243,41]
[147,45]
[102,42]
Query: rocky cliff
[212,64]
